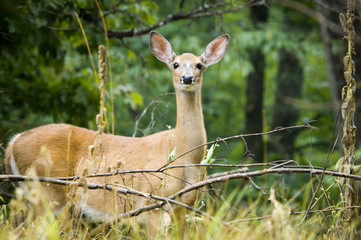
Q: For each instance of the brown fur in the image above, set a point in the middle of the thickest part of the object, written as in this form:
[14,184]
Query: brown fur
[59,150]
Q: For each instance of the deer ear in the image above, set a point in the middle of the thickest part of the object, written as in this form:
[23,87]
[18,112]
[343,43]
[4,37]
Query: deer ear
[216,50]
[161,48]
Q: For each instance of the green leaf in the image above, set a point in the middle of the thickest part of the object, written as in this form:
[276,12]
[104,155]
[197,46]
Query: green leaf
[137,98]
[131,55]
[357,168]
[338,163]
[209,159]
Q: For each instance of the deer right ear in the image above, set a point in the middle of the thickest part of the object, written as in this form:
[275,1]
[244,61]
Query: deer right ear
[161,48]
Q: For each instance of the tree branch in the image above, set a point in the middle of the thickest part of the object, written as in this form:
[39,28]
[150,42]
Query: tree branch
[201,12]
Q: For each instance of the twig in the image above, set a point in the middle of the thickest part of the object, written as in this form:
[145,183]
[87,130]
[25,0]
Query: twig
[331,149]
[241,167]
[242,136]
[204,183]
[163,170]
[154,101]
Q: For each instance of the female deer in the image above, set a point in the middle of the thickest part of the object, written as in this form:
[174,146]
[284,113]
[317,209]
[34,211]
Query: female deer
[59,150]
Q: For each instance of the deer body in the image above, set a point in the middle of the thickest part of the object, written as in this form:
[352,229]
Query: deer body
[60,150]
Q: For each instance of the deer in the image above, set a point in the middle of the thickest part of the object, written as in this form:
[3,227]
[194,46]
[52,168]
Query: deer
[61,150]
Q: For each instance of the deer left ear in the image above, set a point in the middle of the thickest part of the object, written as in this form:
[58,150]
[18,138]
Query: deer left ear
[216,50]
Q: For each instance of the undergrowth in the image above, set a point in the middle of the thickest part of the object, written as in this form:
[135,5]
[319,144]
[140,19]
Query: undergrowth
[264,217]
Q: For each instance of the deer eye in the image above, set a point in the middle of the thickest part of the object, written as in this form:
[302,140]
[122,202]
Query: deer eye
[175,65]
[199,66]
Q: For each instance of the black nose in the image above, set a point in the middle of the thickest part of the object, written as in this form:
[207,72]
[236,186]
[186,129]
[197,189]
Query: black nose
[187,79]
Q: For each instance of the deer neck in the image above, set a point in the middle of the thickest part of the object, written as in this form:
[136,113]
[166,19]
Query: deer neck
[189,131]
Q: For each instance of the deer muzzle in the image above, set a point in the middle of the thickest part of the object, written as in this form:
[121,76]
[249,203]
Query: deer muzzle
[187,79]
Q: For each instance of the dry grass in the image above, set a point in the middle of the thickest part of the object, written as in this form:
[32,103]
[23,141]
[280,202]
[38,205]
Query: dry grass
[20,219]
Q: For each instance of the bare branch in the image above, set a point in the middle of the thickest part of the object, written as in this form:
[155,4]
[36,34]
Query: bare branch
[242,136]
[163,201]
[204,183]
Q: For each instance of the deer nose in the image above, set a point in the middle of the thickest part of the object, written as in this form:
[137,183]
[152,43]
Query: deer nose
[187,79]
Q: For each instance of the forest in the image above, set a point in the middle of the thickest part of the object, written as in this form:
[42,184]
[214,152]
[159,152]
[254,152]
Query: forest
[281,109]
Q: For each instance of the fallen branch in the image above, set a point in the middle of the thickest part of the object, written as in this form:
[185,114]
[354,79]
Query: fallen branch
[169,199]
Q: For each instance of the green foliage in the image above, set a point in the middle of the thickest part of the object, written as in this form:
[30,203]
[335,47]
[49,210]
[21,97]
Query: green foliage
[46,76]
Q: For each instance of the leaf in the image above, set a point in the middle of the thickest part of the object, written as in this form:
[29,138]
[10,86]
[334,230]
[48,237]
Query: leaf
[131,55]
[357,168]
[172,155]
[338,163]
[209,159]
[137,98]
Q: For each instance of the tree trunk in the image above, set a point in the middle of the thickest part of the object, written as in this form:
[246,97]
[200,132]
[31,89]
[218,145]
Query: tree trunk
[255,86]
[288,86]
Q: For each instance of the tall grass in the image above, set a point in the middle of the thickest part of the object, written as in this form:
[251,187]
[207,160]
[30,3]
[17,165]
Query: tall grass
[239,209]
[257,218]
